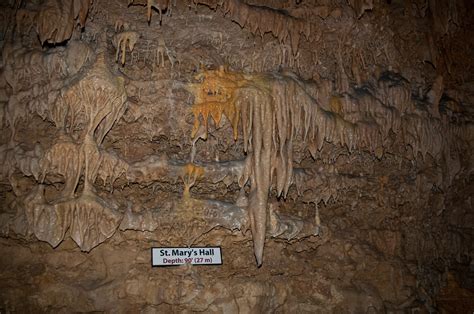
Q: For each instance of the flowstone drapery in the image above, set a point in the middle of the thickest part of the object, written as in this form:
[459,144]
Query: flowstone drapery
[83,115]
[54,21]
[330,142]
[260,20]
[276,110]
[271,112]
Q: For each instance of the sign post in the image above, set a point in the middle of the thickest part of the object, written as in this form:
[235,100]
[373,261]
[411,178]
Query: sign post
[174,256]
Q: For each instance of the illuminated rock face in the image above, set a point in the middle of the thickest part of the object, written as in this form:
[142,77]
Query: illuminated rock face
[327,149]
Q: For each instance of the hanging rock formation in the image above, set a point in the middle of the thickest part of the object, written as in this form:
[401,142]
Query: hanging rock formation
[275,110]
[325,147]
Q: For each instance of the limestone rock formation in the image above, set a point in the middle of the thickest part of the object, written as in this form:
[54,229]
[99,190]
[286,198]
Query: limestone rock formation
[324,146]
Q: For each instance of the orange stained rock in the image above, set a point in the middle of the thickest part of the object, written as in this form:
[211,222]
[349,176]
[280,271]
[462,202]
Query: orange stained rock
[190,173]
[336,104]
[218,85]
[215,110]
[215,96]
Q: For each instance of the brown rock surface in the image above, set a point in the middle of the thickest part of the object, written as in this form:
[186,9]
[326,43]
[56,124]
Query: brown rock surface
[326,146]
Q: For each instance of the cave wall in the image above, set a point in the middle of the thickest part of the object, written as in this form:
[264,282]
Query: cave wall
[325,146]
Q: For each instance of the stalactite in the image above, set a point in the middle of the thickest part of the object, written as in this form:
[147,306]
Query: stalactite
[190,174]
[13,157]
[89,219]
[160,5]
[96,101]
[216,97]
[92,105]
[360,6]
[260,20]
[64,158]
[122,41]
[37,79]
[56,19]
[111,168]
[276,109]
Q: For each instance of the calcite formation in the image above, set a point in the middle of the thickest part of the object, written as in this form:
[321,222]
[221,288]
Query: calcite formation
[325,147]
[160,5]
[276,110]
[262,19]
[122,41]
[54,21]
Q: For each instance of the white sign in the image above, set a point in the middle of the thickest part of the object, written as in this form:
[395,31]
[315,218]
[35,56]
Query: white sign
[172,256]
